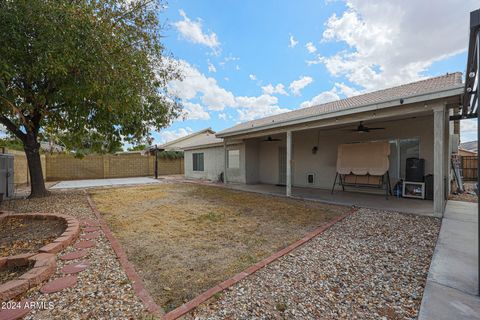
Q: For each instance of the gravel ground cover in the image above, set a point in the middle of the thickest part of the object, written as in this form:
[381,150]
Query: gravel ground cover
[371,265]
[22,235]
[103,291]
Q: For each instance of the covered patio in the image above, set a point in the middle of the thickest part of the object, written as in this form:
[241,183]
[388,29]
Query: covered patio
[347,198]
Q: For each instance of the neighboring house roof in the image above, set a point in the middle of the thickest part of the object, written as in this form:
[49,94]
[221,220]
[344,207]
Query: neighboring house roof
[441,84]
[466,152]
[180,143]
[469,146]
[207,141]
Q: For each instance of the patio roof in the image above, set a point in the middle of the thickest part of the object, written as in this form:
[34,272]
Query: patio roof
[443,86]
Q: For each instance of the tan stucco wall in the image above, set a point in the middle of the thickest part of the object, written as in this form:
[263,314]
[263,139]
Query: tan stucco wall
[323,163]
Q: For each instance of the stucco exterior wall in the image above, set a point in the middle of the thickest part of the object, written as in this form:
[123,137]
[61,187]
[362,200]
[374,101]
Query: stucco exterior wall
[268,163]
[323,163]
[213,163]
[237,174]
[251,162]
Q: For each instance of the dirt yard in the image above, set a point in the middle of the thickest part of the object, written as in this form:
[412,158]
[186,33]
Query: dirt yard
[22,235]
[185,238]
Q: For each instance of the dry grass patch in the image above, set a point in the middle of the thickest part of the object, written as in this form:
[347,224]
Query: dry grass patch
[186,238]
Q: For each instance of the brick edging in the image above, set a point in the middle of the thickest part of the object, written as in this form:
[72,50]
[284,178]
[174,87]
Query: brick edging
[195,302]
[44,265]
[127,266]
[64,240]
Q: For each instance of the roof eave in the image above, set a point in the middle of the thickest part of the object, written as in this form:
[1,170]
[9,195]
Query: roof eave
[165,145]
[203,146]
[445,93]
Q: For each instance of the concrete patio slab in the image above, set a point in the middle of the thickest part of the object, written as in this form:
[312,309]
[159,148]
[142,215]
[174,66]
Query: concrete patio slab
[93,183]
[451,291]
[349,198]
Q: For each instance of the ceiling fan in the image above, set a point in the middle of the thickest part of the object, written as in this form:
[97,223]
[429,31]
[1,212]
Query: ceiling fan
[270,139]
[361,128]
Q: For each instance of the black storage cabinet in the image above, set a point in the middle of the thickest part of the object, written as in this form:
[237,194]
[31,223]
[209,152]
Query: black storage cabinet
[415,170]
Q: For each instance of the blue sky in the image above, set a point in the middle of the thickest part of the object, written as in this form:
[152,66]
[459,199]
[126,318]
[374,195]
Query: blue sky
[248,59]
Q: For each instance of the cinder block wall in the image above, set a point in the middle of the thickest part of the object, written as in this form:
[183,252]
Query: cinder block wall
[67,167]
[166,166]
[20,167]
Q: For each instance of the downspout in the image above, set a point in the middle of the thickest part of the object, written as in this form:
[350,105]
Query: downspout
[477,49]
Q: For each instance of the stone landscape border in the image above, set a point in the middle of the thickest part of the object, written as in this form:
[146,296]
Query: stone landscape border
[44,262]
[44,265]
[127,266]
[195,302]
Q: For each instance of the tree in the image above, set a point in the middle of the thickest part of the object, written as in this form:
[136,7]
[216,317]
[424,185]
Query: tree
[85,70]
[138,147]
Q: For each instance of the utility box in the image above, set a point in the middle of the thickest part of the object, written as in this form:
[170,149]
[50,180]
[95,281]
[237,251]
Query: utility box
[6,176]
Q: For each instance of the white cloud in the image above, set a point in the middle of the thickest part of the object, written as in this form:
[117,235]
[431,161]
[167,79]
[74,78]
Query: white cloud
[192,31]
[196,84]
[324,97]
[468,130]
[222,116]
[395,41]
[270,89]
[293,42]
[310,47]
[170,135]
[257,107]
[347,90]
[194,111]
[211,67]
[297,85]
[252,77]
[237,67]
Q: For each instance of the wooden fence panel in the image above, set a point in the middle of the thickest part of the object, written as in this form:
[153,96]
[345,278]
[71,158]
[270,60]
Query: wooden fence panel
[469,167]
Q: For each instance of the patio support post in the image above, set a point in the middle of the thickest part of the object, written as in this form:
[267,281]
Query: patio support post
[439,160]
[225,158]
[289,163]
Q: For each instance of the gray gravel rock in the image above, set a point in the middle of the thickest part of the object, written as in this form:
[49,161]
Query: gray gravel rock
[371,265]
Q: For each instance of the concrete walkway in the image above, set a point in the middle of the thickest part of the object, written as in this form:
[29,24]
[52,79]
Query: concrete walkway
[81,184]
[451,291]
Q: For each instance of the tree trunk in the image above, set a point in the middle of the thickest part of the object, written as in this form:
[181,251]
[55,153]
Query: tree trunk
[32,151]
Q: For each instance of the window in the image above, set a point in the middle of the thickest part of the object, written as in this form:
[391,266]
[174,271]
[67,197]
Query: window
[400,151]
[233,160]
[409,148]
[198,162]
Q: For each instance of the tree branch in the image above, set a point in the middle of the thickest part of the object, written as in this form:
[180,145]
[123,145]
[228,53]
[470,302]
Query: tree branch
[12,127]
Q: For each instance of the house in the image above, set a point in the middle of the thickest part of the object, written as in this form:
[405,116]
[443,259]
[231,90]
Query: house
[470,148]
[193,138]
[299,148]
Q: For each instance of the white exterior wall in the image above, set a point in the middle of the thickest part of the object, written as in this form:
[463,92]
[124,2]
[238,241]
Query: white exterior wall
[212,163]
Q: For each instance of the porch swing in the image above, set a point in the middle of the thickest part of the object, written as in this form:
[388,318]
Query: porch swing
[363,165]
